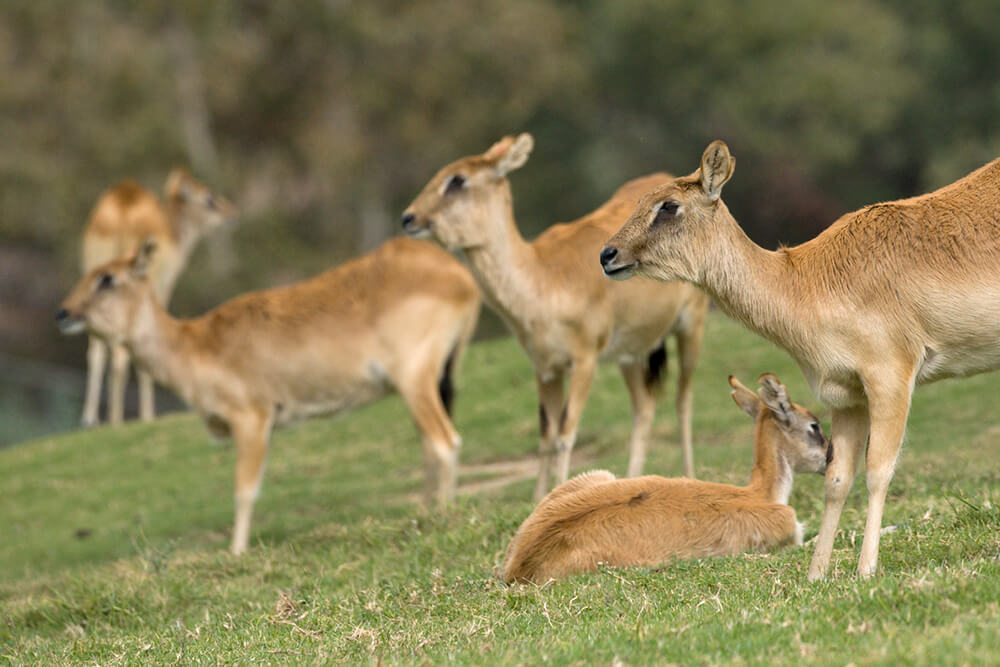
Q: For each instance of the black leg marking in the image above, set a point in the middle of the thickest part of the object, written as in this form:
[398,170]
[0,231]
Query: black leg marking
[446,388]
[656,366]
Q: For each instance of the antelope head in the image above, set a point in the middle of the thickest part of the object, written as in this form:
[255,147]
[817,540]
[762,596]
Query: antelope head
[464,198]
[107,301]
[672,233]
[195,203]
[801,442]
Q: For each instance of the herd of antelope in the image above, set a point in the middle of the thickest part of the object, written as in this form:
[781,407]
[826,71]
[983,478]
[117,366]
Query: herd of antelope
[888,297]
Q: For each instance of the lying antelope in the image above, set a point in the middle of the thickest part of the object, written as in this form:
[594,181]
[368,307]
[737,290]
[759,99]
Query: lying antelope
[888,297]
[397,318]
[123,217]
[562,310]
[595,518]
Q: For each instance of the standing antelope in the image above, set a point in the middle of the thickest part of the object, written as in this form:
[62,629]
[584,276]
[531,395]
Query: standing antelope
[397,318]
[595,518]
[893,295]
[123,217]
[562,310]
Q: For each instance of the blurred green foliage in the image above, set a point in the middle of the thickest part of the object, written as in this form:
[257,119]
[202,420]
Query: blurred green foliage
[323,119]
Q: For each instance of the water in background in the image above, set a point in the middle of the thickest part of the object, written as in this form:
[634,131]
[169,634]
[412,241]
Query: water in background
[39,399]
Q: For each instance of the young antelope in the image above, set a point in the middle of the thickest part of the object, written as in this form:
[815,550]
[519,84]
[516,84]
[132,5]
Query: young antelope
[595,518]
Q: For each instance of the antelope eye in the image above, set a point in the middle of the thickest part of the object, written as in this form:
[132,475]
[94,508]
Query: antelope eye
[816,433]
[666,212]
[210,201]
[106,281]
[455,183]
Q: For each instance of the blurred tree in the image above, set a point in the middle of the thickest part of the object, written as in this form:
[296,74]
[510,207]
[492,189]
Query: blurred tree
[948,126]
[323,119]
[794,88]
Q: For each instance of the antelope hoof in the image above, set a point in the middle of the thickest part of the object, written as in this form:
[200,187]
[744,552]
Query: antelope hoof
[866,571]
[817,573]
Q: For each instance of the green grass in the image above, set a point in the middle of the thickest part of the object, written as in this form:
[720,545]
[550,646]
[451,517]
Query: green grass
[113,544]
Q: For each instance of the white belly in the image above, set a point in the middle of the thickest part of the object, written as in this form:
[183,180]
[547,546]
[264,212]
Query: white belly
[318,398]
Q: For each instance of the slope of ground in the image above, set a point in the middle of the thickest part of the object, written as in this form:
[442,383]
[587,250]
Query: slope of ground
[114,541]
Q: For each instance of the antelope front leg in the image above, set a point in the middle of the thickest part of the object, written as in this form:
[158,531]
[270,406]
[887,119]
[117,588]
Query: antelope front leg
[97,359]
[888,423]
[147,408]
[579,388]
[116,388]
[550,402]
[251,434]
[688,347]
[643,412]
[849,430]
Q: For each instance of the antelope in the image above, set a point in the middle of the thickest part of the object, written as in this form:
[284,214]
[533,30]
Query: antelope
[564,313]
[888,297]
[595,518]
[397,318]
[123,217]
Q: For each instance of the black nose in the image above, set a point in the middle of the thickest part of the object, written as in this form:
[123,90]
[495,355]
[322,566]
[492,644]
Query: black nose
[61,314]
[608,255]
[408,219]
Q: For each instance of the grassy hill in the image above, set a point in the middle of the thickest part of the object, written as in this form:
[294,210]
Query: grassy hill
[114,542]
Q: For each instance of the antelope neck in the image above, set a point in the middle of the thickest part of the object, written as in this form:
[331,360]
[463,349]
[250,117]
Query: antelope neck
[504,265]
[771,476]
[156,340]
[757,287]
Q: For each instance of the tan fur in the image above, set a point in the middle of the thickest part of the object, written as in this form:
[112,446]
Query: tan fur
[123,217]
[563,311]
[389,320]
[888,297]
[594,518]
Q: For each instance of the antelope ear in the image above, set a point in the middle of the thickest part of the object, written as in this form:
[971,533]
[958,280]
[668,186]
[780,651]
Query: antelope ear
[717,167]
[775,397]
[746,399]
[143,257]
[177,183]
[511,153]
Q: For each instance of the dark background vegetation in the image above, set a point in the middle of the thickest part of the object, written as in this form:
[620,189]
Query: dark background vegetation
[322,121]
